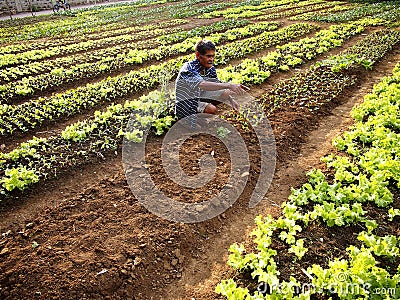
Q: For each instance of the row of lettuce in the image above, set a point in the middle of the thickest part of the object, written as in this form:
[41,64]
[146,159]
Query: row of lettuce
[155,37]
[43,158]
[361,176]
[387,11]
[334,11]
[103,9]
[301,10]
[256,9]
[107,18]
[49,43]
[26,57]
[307,16]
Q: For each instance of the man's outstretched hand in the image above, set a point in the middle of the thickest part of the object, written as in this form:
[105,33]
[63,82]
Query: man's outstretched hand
[235,105]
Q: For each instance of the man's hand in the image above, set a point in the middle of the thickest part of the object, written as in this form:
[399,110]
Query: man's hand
[234,89]
[235,105]
[238,89]
[227,95]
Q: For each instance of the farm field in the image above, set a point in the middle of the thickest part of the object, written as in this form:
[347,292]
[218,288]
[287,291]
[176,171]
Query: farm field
[324,73]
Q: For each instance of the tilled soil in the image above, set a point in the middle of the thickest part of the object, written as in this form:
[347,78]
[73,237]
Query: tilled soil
[84,235]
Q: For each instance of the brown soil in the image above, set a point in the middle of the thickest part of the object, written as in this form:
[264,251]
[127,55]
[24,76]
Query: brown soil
[85,236]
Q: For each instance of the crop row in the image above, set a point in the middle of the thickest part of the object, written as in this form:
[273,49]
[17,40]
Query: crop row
[48,28]
[392,17]
[188,9]
[12,74]
[107,54]
[297,11]
[290,54]
[364,176]
[258,32]
[20,22]
[234,11]
[40,158]
[327,79]
[374,140]
[374,45]
[358,12]
[323,12]
[30,114]
[57,77]
[40,54]
[251,13]
[51,43]
[84,23]
[309,90]
[201,31]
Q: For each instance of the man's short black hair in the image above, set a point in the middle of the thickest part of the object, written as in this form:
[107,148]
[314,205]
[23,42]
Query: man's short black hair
[203,46]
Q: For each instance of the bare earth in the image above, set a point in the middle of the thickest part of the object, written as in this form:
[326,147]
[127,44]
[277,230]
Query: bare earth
[96,241]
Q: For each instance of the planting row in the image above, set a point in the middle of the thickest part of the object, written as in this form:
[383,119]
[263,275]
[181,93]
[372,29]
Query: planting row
[39,54]
[392,17]
[48,28]
[234,11]
[19,22]
[125,14]
[251,13]
[57,77]
[42,158]
[297,11]
[30,114]
[359,12]
[361,176]
[201,31]
[107,54]
[52,43]
[258,32]
[290,55]
[315,86]
[322,12]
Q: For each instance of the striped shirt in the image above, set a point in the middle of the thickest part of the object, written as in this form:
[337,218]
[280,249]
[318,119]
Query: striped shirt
[188,91]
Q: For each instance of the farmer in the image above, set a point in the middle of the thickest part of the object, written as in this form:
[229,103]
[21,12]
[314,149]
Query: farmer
[198,89]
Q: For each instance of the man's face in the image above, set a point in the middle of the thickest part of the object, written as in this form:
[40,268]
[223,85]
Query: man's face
[207,59]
